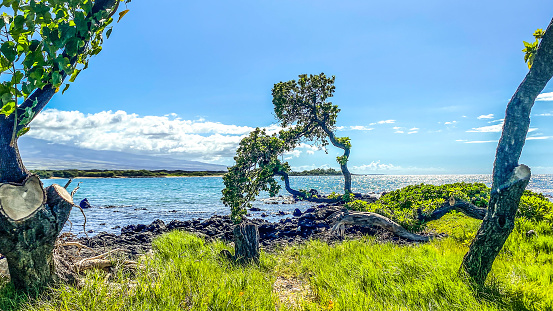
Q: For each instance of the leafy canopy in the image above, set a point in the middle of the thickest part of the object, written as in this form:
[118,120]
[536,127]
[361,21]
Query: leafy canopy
[302,106]
[256,165]
[42,42]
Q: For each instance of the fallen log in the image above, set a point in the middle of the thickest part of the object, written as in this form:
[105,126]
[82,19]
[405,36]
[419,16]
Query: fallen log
[366,219]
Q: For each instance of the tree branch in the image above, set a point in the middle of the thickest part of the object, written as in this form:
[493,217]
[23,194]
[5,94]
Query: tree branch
[458,205]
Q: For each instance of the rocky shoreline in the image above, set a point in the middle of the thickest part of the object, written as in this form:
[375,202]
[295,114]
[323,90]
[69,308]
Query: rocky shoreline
[314,223]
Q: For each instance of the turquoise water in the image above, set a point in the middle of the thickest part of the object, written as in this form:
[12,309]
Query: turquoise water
[124,201]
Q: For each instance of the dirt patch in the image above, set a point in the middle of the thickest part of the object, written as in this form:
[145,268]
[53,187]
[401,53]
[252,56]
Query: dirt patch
[292,292]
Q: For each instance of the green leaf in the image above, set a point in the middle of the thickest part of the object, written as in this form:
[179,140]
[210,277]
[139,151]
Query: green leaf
[74,75]
[65,88]
[23,131]
[8,108]
[56,79]
[108,33]
[8,49]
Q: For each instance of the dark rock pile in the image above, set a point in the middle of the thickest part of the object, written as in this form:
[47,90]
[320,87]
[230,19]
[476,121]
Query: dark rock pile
[314,223]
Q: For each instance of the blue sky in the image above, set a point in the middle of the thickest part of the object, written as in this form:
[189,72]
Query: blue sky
[422,85]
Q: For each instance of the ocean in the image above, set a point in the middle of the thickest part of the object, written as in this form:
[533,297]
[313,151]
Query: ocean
[117,202]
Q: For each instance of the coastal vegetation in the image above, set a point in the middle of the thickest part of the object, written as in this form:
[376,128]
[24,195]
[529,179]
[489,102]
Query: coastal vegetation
[302,109]
[122,173]
[505,236]
[187,273]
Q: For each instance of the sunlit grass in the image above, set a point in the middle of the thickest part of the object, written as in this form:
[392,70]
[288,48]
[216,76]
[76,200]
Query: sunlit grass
[186,273]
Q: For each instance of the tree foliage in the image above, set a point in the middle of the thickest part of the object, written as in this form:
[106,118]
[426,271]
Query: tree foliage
[302,107]
[306,116]
[256,165]
[42,43]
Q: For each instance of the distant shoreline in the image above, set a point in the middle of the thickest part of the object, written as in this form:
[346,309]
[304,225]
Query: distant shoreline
[75,173]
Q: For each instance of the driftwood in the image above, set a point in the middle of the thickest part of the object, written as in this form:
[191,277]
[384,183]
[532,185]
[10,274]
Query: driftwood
[366,219]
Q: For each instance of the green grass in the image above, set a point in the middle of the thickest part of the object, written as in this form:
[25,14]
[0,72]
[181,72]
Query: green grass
[186,273]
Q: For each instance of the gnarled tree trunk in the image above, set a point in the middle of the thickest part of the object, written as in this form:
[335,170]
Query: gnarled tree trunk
[509,178]
[31,219]
[344,165]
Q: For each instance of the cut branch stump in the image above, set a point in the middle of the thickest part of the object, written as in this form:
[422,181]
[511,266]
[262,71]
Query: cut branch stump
[246,243]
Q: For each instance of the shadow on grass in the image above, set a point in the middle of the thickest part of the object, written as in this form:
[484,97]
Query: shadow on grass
[12,300]
[506,300]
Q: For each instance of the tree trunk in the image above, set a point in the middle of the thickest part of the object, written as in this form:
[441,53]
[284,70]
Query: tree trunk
[509,178]
[11,166]
[246,243]
[343,167]
[28,241]
[496,227]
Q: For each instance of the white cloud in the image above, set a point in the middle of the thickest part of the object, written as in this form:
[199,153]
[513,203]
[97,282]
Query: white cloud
[360,128]
[450,122]
[547,114]
[486,116]
[545,97]
[398,130]
[152,135]
[413,130]
[384,122]
[461,140]
[538,137]
[480,141]
[496,128]
[374,166]
[292,154]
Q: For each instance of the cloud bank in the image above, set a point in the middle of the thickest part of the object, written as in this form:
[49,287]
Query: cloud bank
[152,135]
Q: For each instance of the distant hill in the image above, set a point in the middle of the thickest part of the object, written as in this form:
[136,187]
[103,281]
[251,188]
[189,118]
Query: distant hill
[40,154]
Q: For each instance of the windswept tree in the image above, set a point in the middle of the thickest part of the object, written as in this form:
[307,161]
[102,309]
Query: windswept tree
[43,44]
[509,178]
[302,106]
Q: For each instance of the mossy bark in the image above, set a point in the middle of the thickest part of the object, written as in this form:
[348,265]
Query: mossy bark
[246,243]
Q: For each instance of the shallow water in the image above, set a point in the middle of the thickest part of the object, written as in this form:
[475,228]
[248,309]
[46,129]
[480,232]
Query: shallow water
[124,201]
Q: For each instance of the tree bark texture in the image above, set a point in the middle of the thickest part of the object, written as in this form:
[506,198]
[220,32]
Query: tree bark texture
[28,244]
[343,167]
[366,219]
[11,166]
[509,178]
[246,243]
[458,205]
